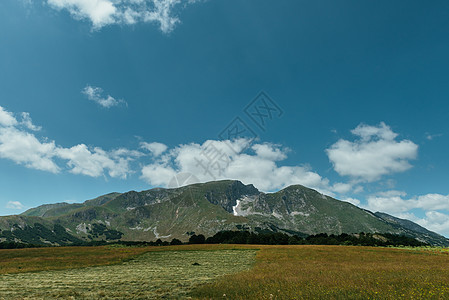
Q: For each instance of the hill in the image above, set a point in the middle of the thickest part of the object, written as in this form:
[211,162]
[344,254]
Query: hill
[204,208]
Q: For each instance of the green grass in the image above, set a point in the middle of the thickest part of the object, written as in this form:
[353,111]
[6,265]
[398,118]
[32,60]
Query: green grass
[155,274]
[226,272]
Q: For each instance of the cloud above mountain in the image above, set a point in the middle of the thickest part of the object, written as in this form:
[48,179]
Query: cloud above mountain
[374,153]
[397,203]
[15,205]
[256,163]
[23,147]
[261,164]
[124,12]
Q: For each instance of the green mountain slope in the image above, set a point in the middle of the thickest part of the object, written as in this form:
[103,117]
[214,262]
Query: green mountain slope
[204,208]
[411,228]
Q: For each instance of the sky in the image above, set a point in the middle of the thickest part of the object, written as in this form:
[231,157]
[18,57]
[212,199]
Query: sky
[346,97]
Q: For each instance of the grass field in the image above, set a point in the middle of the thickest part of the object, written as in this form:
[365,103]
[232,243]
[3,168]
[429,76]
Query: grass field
[57,258]
[155,274]
[337,272]
[226,272]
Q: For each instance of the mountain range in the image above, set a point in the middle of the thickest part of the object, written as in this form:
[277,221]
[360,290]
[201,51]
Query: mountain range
[202,208]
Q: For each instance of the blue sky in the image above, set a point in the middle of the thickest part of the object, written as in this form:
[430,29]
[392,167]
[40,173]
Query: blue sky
[101,96]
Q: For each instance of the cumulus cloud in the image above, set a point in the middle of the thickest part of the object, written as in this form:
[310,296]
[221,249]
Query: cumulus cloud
[155,148]
[433,220]
[6,118]
[24,148]
[375,153]
[269,151]
[396,202]
[14,205]
[107,12]
[28,123]
[96,94]
[259,163]
[158,174]
[342,188]
[99,12]
[212,160]
[353,201]
[216,160]
[434,206]
[94,163]
[390,202]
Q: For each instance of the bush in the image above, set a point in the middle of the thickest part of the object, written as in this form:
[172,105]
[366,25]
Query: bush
[197,239]
[175,242]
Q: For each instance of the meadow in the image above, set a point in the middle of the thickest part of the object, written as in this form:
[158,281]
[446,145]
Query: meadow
[225,272]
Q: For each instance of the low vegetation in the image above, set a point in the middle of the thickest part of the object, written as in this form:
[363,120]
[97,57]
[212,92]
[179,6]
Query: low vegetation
[336,272]
[155,274]
[203,271]
[57,258]
[271,238]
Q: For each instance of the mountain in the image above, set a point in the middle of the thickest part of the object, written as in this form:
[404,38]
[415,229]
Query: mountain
[203,208]
[410,228]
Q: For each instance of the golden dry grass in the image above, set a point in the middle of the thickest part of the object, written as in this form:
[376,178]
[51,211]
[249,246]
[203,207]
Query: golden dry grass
[279,272]
[58,258]
[336,272]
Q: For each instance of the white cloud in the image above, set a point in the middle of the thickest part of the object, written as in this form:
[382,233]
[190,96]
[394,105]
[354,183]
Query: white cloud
[158,174]
[436,221]
[107,12]
[95,94]
[353,201]
[268,151]
[433,220]
[433,202]
[395,202]
[155,148]
[99,12]
[216,160]
[7,118]
[123,152]
[94,163]
[28,123]
[390,202]
[342,188]
[398,204]
[26,149]
[375,153]
[14,205]
[367,133]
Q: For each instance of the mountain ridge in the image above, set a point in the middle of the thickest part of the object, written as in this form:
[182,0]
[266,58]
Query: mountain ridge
[206,208]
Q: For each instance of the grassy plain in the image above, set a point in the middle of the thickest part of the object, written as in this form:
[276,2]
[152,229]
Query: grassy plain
[154,274]
[337,272]
[224,272]
[59,258]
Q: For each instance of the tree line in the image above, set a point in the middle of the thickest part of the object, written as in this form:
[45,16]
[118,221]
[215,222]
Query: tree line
[278,238]
[265,238]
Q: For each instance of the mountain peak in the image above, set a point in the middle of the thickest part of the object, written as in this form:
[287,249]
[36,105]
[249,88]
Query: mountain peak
[206,208]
